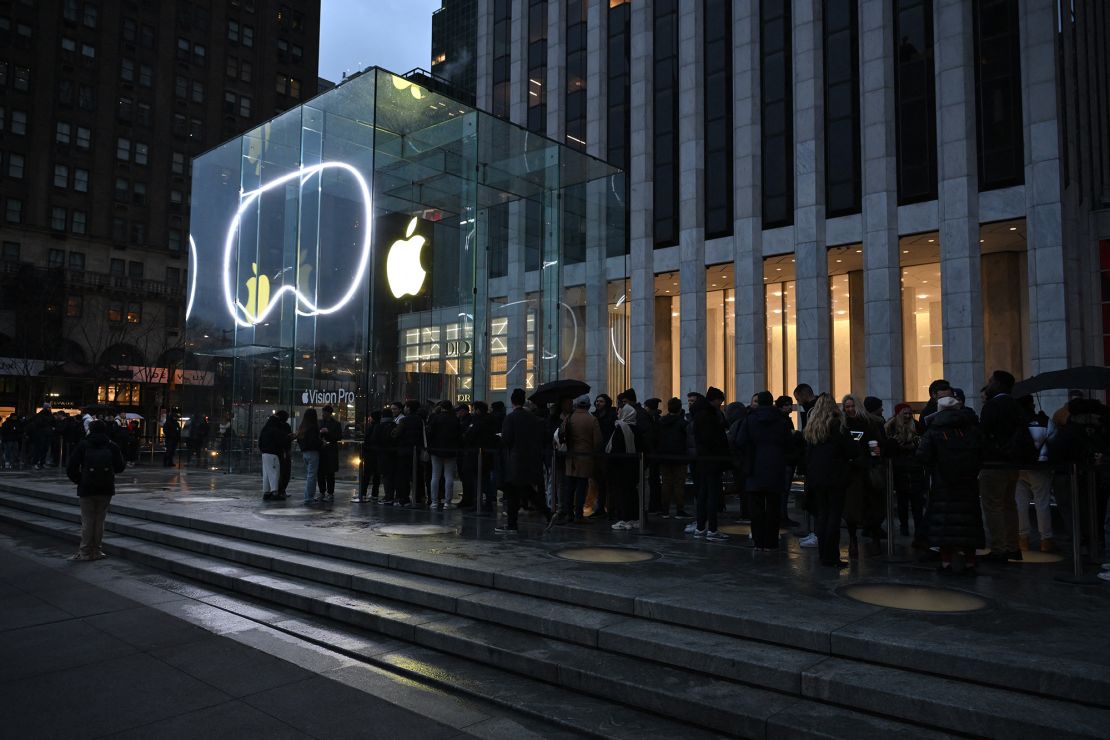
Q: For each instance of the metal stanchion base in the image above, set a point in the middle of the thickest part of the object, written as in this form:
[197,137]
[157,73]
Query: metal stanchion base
[1083,579]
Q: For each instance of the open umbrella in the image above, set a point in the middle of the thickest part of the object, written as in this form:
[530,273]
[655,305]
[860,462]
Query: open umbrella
[555,390]
[1089,377]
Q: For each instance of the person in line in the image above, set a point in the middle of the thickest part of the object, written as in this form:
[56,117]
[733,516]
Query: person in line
[1006,440]
[651,463]
[10,435]
[522,435]
[711,441]
[606,417]
[581,434]
[444,441]
[41,432]
[863,505]
[622,450]
[672,465]
[829,453]
[1035,484]
[938,389]
[482,436]
[331,432]
[409,437]
[273,443]
[308,438]
[382,442]
[171,431]
[952,447]
[806,400]
[785,405]
[762,441]
[904,432]
[93,467]
[370,478]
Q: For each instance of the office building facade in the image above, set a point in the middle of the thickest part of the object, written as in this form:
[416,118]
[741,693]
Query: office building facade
[862,196]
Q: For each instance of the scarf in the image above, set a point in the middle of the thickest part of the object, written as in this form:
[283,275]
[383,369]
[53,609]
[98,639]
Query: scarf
[626,418]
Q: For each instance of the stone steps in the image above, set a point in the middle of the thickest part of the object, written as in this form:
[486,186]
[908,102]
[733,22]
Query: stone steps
[720,682]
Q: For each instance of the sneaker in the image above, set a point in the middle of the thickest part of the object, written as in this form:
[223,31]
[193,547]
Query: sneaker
[440,506]
[318,497]
[699,533]
[690,528]
[1104,575]
[79,557]
[714,536]
[100,555]
[619,526]
[505,530]
[681,514]
[632,524]
[665,515]
[810,540]
[267,497]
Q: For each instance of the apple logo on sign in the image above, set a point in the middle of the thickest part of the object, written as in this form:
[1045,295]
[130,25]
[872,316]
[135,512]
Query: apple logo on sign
[402,265]
[305,399]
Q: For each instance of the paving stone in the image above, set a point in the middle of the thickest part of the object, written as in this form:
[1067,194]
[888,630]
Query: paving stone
[146,628]
[55,646]
[23,610]
[233,668]
[233,719]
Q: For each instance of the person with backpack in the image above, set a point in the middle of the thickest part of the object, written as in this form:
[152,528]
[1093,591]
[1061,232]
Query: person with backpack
[763,441]
[1035,484]
[273,443]
[1006,440]
[93,467]
[952,448]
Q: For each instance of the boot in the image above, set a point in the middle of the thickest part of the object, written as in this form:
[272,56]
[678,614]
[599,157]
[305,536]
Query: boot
[1048,545]
[853,544]
[1023,542]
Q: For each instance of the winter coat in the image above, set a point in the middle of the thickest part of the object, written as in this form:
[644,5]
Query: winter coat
[955,518]
[76,471]
[382,444]
[764,439]
[582,435]
[606,421]
[828,463]
[330,434]
[522,436]
[672,439]
[10,431]
[274,438]
[444,434]
[309,439]
[710,433]
[1001,419]
[172,430]
[41,427]
[409,434]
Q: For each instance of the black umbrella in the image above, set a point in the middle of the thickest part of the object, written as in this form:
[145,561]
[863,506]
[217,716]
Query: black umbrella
[1090,377]
[558,389]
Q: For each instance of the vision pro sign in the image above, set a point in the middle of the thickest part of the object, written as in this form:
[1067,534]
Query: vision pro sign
[313,397]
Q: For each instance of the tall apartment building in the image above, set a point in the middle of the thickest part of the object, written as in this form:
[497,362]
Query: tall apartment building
[454,43]
[104,105]
[862,195]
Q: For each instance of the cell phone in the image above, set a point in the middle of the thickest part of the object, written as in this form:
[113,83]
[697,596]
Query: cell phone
[857,436]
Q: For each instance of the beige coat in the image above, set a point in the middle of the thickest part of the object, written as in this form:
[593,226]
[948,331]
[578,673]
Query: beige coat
[582,435]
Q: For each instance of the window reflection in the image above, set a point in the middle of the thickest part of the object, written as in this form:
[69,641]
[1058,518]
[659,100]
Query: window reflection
[846,335]
[922,328]
[720,328]
[781,312]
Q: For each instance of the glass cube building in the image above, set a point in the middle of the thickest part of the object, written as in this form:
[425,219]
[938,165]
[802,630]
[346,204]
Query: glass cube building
[383,242]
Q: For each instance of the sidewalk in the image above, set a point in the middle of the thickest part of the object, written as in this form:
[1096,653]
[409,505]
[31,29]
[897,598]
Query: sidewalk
[79,661]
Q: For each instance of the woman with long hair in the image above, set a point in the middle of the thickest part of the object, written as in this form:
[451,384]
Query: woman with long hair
[904,433]
[862,500]
[308,437]
[829,454]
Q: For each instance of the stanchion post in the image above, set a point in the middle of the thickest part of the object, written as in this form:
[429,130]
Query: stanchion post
[479,487]
[890,508]
[1076,533]
[643,493]
[1093,523]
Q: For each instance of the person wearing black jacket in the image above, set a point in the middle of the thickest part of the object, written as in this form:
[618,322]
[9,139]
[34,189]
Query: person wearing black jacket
[606,417]
[672,465]
[93,467]
[482,434]
[382,443]
[830,451]
[41,431]
[763,441]
[522,437]
[308,437]
[368,461]
[331,432]
[711,442]
[444,441]
[1001,420]
[409,438]
[171,431]
[273,443]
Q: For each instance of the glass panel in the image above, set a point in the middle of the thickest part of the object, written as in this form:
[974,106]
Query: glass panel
[846,316]
[1003,276]
[922,330]
[781,312]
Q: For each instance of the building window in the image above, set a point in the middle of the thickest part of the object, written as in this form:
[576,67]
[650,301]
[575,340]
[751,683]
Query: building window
[62,133]
[56,258]
[618,105]
[134,313]
[68,44]
[173,241]
[248,36]
[122,190]
[135,270]
[244,106]
[718,118]
[198,92]
[780,306]
[233,31]
[127,70]
[84,138]
[79,223]
[846,344]
[200,54]
[720,324]
[144,118]
[502,56]
[141,153]
[22,81]
[58,218]
[183,50]
[61,176]
[88,51]
[665,129]
[89,18]
[146,37]
[537,66]
[119,229]
[77,261]
[177,163]
[69,10]
[130,30]
[13,211]
[74,306]
[123,149]
[138,193]
[922,326]
[576,74]
[115,311]
[181,87]
[65,92]
[998,94]
[15,166]
[86,97]
[842,143]
[19,122]
[196,128]
[11,251]
[179,126]
[117,267]
[138,233]
[176,197]
[146,75]
[124,109]
[81,180]
[915,102]
[776,113]
[229,102]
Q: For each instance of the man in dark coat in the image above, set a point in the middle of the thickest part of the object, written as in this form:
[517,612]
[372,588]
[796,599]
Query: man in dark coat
[171,431]
[409,438]
[763,442]
[41,430]
[1001,420]
[444,441]
[274,442]
[952,447]
[382,444]
[93,467]
[522,435]
[330,434]
[711,442]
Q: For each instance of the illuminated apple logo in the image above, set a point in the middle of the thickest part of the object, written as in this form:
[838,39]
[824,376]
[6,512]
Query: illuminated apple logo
[400,83]
[402,265]
[305,399]
[258,294]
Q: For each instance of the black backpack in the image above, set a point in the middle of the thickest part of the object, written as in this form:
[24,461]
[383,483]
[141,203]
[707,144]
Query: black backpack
[959,454]
[1021,448]
[98,469]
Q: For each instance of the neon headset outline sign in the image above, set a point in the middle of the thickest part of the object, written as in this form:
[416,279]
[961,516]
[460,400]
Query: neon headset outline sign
[248,316]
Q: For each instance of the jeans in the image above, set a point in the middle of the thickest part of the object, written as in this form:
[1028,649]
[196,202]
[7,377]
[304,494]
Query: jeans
[167,459]
[94,509]
[1038,484]
[909,487]
[829,502]
[271,472]
[709,494]
[573,493]
[996,490]
[11,453]
[311,468]
[765,518]
[445,467]
[40,447]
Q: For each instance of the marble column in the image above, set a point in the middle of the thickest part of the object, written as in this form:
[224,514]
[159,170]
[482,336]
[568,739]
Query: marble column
[691,207]
[597,311]
[641,261]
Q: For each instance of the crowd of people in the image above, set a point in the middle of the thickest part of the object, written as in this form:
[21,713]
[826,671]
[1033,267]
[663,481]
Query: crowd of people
[47,438]
[957,475]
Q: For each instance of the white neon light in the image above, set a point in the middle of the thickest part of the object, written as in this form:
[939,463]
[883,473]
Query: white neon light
[247,318]
[612,336]
[547,355]
[192,277]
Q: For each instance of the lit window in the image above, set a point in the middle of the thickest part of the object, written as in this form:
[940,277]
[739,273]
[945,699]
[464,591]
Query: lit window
[123,149]
[115,312]
[81,180]
[61,176]
[15,166]
[134,313]
[62,133]
[73,306]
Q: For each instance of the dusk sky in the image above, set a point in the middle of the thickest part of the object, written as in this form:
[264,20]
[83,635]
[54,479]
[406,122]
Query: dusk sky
[395,34]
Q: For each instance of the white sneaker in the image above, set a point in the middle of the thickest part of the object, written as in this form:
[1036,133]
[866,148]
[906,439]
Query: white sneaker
[1104,575]
[618,526]
[690,528]
[810,540]
[632,524]
[714,536]
[1106,566]
[699,533]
